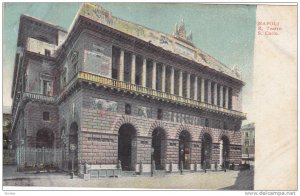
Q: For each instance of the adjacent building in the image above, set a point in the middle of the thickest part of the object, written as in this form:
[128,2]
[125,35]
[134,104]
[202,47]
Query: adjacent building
[248,142]
[113,94]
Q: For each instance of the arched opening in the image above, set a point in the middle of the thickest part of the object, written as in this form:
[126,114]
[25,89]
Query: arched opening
[158,148]
[44,139]
[184,149]
[206,149]
[127,147]
[224,151]
[73,147]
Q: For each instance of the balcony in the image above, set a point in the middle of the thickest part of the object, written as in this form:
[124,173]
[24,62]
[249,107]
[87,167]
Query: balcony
[154,93]
[39,97]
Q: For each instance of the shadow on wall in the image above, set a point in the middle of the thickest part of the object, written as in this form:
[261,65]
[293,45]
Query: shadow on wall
[244,181]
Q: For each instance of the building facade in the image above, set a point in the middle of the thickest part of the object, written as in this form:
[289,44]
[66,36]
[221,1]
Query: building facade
[248,142]
[113,94]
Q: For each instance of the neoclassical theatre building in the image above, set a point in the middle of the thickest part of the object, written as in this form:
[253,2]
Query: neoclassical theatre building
[112,95]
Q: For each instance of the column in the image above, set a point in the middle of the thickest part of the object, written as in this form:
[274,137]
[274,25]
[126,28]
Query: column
[163,78]
[226,97]
[202,89]
[154,75]
[209,91]
[133,65]
[216,94]
[144,72]
[188,85]
[196,88]
[221,152]
[172,81]
[221,96]
[180,83]
[121,66]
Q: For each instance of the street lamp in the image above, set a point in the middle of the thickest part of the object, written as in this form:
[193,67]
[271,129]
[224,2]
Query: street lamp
[181,161]
[72,149]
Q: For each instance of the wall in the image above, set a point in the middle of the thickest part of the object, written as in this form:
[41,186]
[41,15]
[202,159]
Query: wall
[70,112]
[97,54]
[104,123]
[33,122]
[34,30]
[36,70]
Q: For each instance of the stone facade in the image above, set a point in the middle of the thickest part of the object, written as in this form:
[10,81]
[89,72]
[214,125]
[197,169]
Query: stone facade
[119,99]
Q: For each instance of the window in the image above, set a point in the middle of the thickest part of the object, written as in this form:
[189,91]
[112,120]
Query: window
[46,88]
[127,108]
[246,142]
[206,123]
[247,134]
[64,77]
[46,116]
[159,114]
[75,68]
[47,52]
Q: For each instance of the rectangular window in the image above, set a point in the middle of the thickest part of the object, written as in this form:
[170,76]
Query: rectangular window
[246,142]
[47,87]
[47,52]
[159,114]
[75,68]
[206,122]
[64,78]
[46,116]
[127,109]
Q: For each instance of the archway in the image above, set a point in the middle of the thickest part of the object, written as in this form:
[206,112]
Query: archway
[127,147]
[184,149]
[73,146]
[158,147]
[206,149]
[44,139]
[224,151]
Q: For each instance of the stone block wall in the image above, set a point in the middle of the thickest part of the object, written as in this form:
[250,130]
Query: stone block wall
[104,122]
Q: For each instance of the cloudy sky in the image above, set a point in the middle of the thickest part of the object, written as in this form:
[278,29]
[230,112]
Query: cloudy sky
[223,31]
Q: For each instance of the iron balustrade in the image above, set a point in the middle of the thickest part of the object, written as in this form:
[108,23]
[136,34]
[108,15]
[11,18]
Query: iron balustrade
[40,97]
[104,81]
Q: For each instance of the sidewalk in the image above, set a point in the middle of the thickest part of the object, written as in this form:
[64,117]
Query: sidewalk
[10,173]
[230,180]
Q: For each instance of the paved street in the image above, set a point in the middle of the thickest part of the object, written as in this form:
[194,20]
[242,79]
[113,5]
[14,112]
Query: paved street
[230,180]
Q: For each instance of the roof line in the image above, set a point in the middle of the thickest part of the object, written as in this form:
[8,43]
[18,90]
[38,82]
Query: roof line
[44,22]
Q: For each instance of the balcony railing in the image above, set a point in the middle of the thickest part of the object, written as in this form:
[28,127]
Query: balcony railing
[135,88]
[158,94]
[39,97]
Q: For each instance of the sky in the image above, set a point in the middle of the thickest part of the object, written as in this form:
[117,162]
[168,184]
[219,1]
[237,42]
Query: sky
[226,32]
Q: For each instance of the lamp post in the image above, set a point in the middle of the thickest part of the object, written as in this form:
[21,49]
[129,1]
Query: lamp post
[72,149]
[181,161]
